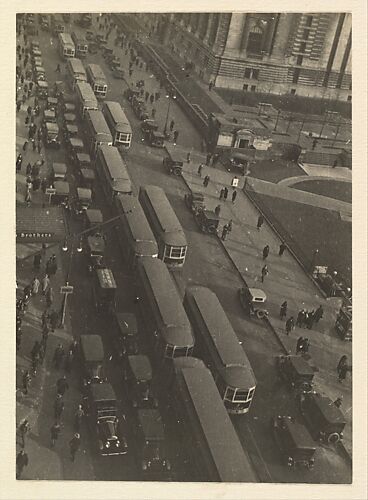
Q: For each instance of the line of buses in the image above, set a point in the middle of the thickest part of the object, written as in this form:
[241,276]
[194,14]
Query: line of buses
[152,240]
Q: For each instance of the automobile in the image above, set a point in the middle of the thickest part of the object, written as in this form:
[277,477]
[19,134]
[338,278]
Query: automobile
[296,371]
[150,441]
[69,118]
[93,218]
[107,428]
[324,420]
[148,125]
[37,62]
[90,36]
[85,21]
[104,291]
[174,161]
[87,178]
[207,221]
[155,138]
[139,108]
[91,360]
[92,47]
[130,93]
[68,107]
[51,135]
[74,146]
[45,26]
[42,89]
[125,334]
[238,163]
[39,73]
[52,103]
[49,115]
[95,250]
[114,63]
[195,201]
[82,160]
[83,200]
[251,299]
[61,195]
[294,441]
[70,130]
[118,73]
[58,172]
[138,379]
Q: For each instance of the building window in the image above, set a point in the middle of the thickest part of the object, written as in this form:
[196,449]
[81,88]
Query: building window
[296,75]
[255,37]
[299,60]
[308,21]
[251,73]
[303,46]
[253,88]
[245,86]
[293,91]
[349,97]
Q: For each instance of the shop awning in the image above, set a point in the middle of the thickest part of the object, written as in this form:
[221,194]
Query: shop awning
[40,225]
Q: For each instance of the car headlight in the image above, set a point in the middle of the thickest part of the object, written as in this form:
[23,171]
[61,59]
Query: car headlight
[107,444]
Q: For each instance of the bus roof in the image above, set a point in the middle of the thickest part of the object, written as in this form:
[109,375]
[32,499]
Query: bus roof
[150,422]
[98,123]
[187,362]
[86,93]
[175,326]
[66,39]
[96,72]
[76,65]
[144,242]
[114,161]
[200,395]
[119,118]
[172,232]
[209,320]
[79,38]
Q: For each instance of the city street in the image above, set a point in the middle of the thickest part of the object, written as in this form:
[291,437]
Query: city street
[221,266]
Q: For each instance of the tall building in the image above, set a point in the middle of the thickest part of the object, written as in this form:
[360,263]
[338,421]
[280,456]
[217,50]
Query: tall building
[307,54]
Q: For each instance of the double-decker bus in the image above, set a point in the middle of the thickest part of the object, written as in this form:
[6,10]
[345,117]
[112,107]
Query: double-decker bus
[66,45]
[85,97]
[113,172]
[97,79]
[134,233]
[81,45]
[167,325]
[97,130]
[118,123]
[57,23]
[210,441]
[75,71]
[219,347]
[169,234]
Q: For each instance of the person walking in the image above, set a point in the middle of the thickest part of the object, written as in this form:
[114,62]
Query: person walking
[206,180]
[26,381]
[54,319]
[299,345]
[54,433]
[68,361]
[289,325]
[49,296]
[342,368]
[226,193]
[58,355]
[152,98]
[176,135]
[23,429]
[45,284]
[264,272]
[146,96]
[78,417]
[265,252]
[172,125]
[188,157]
[35,349]
[338,401]
[218,210]
[234,195]
[35,285]
[221,194]
[200,168]
[225,230]
[283,310]
[58,69]
[21,462]
[300,319]
[230,225]
[309,319]
[305,345]
[153,113]
[62,385]
[282,249]
[208,158]
[58,408]
[74,445]
[260,222]
[318,314]
[314,144]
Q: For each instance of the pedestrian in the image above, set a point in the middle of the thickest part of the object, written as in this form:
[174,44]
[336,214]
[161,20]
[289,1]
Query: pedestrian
[39,146]
[34,147]
[19,104]
[58,69]
[318,314]
[44,318]
[260,222]
[62,385]
[25,146]
[26,381]
[282,249]
[200,168]
[218,210]
[152,98]
[130,72]
[28,198]
[309,319]
[305,345]
[266,252]
[230,225]
[30,86]
[283,309]
[335,163]
[28,169]
[49,296]
[153,113]
[68,361]
[74,445]
[18,163]
[58,355]
[226,193]
[208,158]
[264,272]
[176,135]
[234,195]
[300,319]
[172,124]
[299,345]
[58,408]
[53,265]
[54,320]
[42,352]
[206,180]
[314,144]
[54,433]
[289,325]
[78,416]
[342,372]
[35,349]
[210,86]
[146,96]
[45,284]
[21,462]
[225,230]
[338,401]
[29,110]
[23,429]
[222,194]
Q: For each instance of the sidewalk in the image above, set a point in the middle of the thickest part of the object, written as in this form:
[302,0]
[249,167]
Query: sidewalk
[286,281]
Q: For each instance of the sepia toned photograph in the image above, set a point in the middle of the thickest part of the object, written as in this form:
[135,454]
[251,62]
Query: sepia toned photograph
[184,247]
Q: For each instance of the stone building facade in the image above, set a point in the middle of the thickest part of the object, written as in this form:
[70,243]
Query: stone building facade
[307,54]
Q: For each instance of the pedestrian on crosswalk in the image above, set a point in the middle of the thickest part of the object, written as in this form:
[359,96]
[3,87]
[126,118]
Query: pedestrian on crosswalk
[172,125]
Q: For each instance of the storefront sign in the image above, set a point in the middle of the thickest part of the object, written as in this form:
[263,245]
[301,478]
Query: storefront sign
[25,235]
[66,289]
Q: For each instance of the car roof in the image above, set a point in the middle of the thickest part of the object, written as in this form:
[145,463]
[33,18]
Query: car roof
[300,365]
[92,347]
[62,187]
[94,215]
[96,243]
[84,193]
[102,392]
[299,434]
[140,366]
[151,424]
[127,323]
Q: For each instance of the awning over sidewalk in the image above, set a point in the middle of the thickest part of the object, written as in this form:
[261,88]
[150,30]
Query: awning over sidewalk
[40,225]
